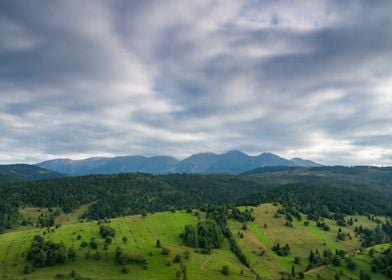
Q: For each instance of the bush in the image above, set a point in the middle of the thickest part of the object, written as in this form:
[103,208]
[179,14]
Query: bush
[335,260]
[71,254]
[46,253]
[371,252]
[93,243]
[187,254]
[351,264]
[168,262]
[107,231]
[124,258]
[125,269]
[165,251]
[97,255]
[205,251]
[28,268]
[225,270]
[364,275]
[108,240]
[281,251]
[177,259]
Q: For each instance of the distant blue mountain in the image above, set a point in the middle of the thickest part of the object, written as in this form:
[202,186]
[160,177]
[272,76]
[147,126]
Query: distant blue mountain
[233,162]
[198,163]
[110,165]
[304,162]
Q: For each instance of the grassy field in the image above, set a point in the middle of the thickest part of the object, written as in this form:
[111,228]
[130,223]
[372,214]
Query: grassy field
[267,230]
[142,233]
[361,258]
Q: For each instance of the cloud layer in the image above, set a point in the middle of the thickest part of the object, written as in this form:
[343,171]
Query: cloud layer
[79,79]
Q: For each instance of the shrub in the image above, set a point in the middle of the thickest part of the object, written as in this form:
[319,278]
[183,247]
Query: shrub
[177,259]
[281,251]
[28,268]
[335,260]
[351,264]
[108,240]
[165,251]
[125,269]
[93,243]
[186,254]
[225,270]
[97,255]
[46,253]
[71,253]
[107,231]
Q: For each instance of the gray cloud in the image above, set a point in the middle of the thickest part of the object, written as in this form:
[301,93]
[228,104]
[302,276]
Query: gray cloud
[178,77]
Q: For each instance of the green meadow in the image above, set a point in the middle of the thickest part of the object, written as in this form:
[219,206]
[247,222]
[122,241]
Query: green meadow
[142,233]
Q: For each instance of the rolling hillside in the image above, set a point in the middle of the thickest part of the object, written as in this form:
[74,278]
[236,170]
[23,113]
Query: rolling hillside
[359,190]
[142,233]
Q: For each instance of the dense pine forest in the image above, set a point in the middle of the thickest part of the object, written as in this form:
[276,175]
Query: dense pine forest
[357,190]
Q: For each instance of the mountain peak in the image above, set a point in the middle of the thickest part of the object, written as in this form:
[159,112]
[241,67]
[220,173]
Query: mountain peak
[233,162]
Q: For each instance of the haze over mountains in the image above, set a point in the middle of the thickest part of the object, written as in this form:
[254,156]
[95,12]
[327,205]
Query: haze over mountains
[233,162]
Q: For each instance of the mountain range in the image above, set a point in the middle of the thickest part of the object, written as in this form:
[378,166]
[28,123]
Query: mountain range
[232,162]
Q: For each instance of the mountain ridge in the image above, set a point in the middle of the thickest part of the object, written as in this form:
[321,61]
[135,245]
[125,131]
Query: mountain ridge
[231,162]
[25,172]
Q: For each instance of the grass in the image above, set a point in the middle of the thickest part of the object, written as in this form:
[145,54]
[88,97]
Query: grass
[73,217]
[142,233]
[363,261]
[267,230]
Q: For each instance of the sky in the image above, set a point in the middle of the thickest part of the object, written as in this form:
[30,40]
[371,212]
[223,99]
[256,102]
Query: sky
[311,79]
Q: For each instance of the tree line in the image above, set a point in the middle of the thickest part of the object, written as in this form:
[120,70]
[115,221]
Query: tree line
[136,193]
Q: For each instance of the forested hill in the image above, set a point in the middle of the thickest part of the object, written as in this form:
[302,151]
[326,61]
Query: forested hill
[362,177]
[25,172]
[357,190]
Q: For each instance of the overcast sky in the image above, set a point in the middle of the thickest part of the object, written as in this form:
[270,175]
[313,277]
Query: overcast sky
[100,78]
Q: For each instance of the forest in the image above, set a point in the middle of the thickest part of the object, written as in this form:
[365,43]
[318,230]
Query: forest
[136,193]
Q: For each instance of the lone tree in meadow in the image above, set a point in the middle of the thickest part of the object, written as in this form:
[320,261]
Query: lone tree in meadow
[225,270]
